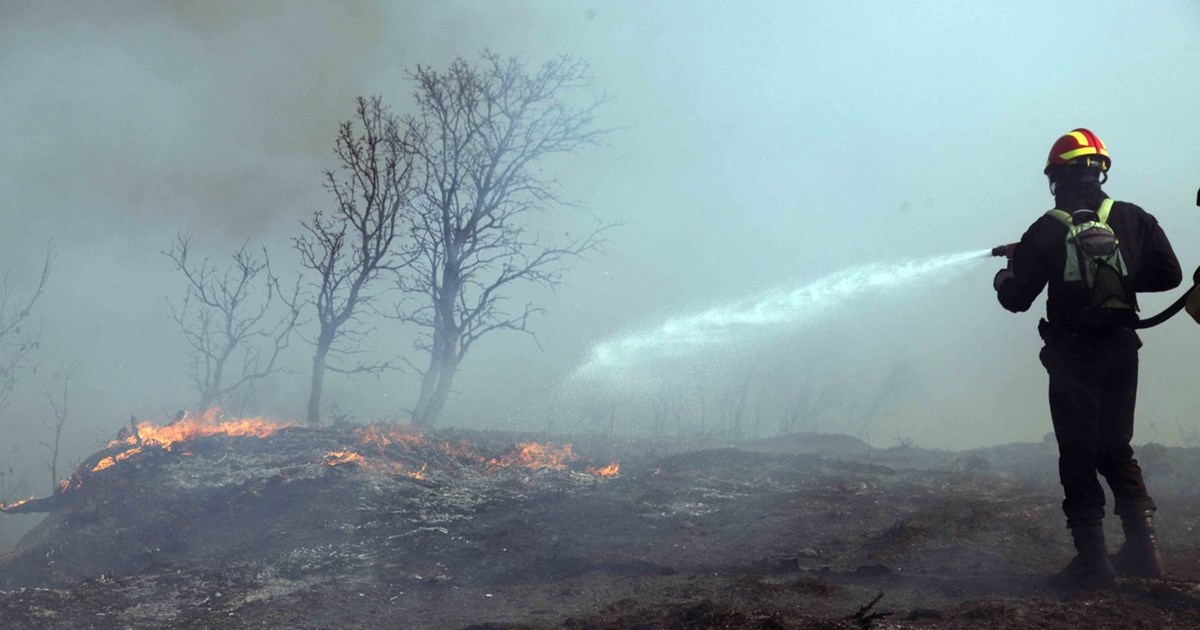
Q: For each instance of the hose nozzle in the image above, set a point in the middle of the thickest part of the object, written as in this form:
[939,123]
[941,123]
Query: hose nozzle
[1005,251]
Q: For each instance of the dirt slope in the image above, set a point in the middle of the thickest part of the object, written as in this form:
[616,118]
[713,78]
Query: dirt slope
[456,530]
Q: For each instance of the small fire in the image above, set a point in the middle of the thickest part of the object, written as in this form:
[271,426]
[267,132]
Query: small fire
[417,474]
[109,462]
[381,437]
[193,426]
[462,450]
[611,470]
[536,456]
[16,504]
[190,426]
[337,458]
[377,440]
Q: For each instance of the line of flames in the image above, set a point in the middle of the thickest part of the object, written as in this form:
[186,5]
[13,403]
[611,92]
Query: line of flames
[192,426]
[109,462]
[536,457]
[15,504]
[532,455]
[189,427]
[379,438]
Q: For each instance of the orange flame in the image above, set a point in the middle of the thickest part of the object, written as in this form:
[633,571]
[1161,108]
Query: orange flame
[173,437]
[611,470]
[109,462]
[382,437]
[189,427]
[461,450]
[536,456]
[16,504]
[203,425]
[337,458]
[418,474]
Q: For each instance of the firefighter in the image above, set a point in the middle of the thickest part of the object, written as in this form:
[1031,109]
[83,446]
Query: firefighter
[1090,350]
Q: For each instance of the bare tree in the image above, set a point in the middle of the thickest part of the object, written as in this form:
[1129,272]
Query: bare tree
[802,395]
[348,247]
[59,407]
[480,135]
[16,342]
[871,403]
[733,400]
[227,314]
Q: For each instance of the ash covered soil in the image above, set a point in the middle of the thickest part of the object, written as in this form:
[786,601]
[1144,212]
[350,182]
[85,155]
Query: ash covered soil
[461,530]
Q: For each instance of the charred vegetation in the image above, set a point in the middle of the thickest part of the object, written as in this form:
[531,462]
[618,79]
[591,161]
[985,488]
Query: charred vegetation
[223,522]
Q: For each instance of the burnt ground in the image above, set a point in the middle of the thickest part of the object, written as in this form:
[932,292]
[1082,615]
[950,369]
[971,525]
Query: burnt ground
[801,531]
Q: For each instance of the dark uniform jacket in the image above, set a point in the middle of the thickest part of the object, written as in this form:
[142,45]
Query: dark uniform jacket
[1041,255]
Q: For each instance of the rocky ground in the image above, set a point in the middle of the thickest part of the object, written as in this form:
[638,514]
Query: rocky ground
[384,528]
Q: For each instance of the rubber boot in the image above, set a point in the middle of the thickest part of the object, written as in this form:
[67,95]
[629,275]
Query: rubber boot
[1138,556]
[1090,569]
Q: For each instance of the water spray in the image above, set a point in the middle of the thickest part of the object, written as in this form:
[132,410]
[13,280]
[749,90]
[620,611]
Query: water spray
[681,336]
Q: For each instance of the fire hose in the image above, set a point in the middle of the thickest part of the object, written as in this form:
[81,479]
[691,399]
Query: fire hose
[1170,311]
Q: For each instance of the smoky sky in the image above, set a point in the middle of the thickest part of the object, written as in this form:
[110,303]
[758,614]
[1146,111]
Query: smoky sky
[754,146]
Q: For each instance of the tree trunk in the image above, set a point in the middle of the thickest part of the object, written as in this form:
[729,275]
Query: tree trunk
[442,393]
[435,390]
[420,414]
[443,353]
[214,389]
[318,382]
[206,400]
[54,459]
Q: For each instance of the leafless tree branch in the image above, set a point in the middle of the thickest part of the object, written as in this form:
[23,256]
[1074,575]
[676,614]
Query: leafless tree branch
[349,247]
[16,342]
[478,138]
[60,410]
[232,312]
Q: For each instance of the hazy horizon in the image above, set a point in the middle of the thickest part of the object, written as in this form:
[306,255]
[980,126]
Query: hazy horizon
[756,149]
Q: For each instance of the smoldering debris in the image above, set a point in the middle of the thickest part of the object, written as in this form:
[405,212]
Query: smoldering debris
[370,526]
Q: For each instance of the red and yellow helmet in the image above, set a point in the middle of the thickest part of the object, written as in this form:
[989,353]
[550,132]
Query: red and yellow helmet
[1076,144]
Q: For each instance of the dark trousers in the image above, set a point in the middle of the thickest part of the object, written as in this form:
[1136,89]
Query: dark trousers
[1093,391]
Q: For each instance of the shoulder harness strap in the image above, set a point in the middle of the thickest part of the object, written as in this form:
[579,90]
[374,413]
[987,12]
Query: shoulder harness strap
[1101,213]
[1105,208]
[1062,215]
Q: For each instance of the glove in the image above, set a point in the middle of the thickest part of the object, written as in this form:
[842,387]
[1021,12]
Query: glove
[1193,305]
[1002,276]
